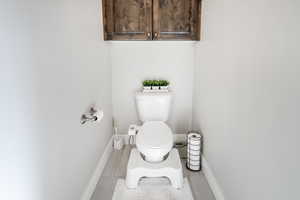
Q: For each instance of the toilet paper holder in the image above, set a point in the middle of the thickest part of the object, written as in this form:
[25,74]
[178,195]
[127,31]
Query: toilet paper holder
[91,115]
[194,151]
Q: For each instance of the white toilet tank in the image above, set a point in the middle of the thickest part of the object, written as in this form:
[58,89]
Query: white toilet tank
[153,106]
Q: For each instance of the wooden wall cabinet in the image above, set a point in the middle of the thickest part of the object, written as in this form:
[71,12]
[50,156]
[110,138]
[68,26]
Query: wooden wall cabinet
[151,19]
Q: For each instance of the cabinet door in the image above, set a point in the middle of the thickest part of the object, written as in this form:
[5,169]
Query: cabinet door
[127,19]
[176,19]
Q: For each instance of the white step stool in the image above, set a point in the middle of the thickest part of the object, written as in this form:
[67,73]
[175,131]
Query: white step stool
[138,168]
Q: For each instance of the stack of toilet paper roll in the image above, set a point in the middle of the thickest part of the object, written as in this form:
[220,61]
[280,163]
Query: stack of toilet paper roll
[194,143]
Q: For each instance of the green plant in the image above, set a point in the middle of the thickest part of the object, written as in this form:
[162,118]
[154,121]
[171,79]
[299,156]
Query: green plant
[163,83]
[147,83]
[155,82]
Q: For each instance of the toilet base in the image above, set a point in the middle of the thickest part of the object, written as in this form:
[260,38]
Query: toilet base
[138,168]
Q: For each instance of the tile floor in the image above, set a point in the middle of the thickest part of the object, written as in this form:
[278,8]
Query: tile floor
[116,168]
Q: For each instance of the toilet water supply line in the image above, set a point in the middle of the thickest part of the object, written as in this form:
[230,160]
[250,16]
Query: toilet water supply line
[131,139]
[132,131]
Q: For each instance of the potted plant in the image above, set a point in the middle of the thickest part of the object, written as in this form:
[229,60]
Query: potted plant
[164,84]
[155,84]
[147,85]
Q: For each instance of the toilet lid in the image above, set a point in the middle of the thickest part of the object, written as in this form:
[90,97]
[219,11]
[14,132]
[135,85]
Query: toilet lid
[155,135]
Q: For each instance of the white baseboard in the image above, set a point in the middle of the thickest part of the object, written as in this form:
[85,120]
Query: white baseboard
[98,171]
[212,181]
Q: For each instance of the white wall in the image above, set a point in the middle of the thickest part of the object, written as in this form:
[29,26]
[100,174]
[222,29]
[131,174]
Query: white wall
[247,94]
[53,66]
[132,62]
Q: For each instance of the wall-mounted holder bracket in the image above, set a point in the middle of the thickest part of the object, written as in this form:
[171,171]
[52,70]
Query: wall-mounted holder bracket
[92,115]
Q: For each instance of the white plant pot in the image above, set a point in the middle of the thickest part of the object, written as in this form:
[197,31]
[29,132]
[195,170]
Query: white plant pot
[147,87]
[164,87]
[155,87]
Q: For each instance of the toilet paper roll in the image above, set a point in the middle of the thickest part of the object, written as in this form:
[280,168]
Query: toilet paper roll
[196,168]
[194,163]
[194,143]
[194,137]
[193,157]
[194,152]
[99,114]
[194,148]
[194,140]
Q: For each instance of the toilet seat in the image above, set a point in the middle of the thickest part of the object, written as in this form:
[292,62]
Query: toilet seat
[154,140]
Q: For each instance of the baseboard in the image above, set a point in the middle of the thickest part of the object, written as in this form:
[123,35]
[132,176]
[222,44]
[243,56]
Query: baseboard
[212,181]
[87,195]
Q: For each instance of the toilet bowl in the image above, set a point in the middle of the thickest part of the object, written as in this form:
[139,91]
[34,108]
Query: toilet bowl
[154,141]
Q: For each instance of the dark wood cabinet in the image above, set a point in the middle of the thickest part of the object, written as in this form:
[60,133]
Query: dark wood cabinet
[176,19]
[127,19]
[151,19]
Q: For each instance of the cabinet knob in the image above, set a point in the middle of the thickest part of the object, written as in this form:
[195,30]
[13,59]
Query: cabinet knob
[148,34]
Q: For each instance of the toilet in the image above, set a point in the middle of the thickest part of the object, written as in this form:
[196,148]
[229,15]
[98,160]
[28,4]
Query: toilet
[154,155]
